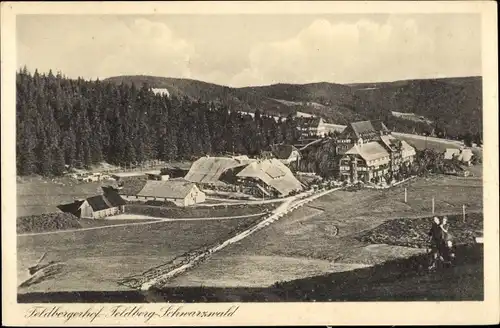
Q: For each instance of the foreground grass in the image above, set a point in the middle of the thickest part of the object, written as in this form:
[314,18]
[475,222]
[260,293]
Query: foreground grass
[60,222]
[197,212]
[98,259]
[398,280]
[308,236]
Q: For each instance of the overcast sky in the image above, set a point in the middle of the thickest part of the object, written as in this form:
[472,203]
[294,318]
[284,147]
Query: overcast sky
[241,50]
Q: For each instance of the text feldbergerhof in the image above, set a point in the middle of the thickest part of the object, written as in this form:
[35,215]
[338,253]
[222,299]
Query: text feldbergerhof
[126,312]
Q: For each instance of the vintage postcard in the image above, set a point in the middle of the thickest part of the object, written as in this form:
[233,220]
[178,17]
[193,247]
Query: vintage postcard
[249,163]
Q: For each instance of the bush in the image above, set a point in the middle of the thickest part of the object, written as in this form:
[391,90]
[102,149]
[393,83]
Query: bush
[47,222]
[413,232]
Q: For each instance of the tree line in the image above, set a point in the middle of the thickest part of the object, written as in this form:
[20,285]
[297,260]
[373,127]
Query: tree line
[64,123]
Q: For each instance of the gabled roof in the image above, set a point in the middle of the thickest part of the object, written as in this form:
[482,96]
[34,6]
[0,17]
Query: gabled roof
[274,174]
[176,189]
[98,203]
[390,142]
[113,197]
[72,207]
[407,148]
[283,151]
[210,169]
[334,127]
[378,125]
[308,121]
[132,187]
[366,129]
[370,151]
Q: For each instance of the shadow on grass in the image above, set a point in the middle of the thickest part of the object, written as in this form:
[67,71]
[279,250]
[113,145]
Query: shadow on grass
[397,280]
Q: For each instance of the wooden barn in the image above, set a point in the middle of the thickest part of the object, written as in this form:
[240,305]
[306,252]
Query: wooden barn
[178,191]
[96,207]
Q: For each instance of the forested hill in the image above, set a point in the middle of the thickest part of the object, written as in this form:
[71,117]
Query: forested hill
[61,121]
[64,121]
[325,99]
[453,105]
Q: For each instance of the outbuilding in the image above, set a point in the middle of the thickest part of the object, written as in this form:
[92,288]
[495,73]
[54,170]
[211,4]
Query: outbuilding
[178,191]
[96,207]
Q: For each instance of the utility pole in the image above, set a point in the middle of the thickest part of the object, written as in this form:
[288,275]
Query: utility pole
[432,205]
[463,212]
[406,195]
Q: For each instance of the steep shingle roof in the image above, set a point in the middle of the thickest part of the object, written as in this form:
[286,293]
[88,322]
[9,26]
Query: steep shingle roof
[132,187]
[370,151]
[176,189]
[283,151]
[210,169]
[98,203]
[274,174]
[362,128]
[308,122]
[113,197]
[367,129]
[72,207]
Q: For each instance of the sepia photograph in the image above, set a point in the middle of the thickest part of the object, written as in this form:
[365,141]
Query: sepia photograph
[248,158]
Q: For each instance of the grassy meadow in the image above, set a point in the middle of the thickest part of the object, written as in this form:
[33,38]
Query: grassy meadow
[308,236]
[97,259]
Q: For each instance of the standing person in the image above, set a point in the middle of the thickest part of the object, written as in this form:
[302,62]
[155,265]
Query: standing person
[444,228]
[447,254]
[436,237]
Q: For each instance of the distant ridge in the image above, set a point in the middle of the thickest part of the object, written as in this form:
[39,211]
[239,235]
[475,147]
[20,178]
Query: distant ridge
[454,103]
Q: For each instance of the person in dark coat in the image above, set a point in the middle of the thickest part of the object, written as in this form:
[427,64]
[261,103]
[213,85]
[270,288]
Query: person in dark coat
[436,233]
[436,239]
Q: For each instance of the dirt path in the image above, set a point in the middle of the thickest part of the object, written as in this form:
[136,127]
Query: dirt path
[232,202]
[289,205]
[152,220]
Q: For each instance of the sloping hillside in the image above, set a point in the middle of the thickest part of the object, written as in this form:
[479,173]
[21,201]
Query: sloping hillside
[328,100]
[453,105]
[336,99]
[191,89]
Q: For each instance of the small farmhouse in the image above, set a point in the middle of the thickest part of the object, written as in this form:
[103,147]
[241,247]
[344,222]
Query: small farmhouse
[96,207]
[178,191]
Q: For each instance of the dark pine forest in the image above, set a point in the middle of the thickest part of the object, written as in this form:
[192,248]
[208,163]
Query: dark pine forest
[74,122]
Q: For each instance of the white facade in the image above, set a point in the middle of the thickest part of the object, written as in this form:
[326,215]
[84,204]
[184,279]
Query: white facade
[194,196]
